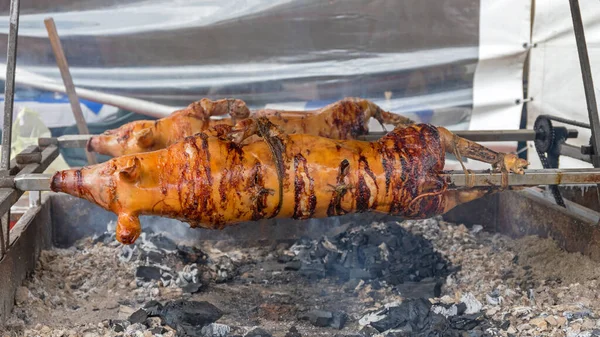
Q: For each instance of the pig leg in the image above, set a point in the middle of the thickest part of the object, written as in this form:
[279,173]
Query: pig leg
[453,198]
[504,162]
[235,108]
[128,228]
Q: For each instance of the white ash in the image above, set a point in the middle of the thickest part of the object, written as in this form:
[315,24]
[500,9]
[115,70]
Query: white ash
[528,283]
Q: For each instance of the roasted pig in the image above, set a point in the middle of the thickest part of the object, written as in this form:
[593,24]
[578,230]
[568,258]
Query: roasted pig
[210,180]
[345,119]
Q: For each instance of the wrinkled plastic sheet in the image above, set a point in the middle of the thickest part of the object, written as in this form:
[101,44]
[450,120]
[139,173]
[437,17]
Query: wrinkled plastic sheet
[415,57]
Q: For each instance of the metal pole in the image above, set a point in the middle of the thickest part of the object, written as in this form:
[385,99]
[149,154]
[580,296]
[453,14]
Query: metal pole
[588,83]
[41,182]
[9,97]
[9,89]
[61,61]
[484,135]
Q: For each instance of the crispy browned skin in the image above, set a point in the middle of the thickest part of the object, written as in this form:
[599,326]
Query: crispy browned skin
[345,119]
[213,182]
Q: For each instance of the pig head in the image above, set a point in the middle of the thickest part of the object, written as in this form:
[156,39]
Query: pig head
[118,185]
[146,135]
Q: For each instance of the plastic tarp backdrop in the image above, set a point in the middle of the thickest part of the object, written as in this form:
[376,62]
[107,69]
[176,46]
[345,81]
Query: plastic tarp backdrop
[457,63]
[555,82]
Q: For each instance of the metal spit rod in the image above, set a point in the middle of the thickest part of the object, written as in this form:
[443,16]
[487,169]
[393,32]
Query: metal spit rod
[486,135]
[41,182]
[80,141]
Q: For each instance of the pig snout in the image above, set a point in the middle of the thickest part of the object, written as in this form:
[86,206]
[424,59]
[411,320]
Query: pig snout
[66,181]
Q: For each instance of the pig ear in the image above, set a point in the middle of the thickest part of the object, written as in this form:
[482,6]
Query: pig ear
[131,173]
[145,138]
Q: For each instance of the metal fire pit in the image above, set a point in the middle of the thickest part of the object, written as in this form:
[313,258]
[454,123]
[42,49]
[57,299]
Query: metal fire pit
[60,220]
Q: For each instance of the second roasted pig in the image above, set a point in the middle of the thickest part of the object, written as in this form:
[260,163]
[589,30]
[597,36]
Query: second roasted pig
[345,119]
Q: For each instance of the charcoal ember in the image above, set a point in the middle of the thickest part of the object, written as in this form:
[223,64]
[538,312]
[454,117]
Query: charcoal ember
[339,320]
[293,332]
[414,312]
[361,274]
[465,322]
[404,331]
[320,318]
[293,265]
[118,325]
[163,242]
[438,322]
[153,308]
[139,316]
[383,251]
[189,313]
[159,330]
[368,331]
[153,257]
[426,288]
[147,273]
[192,288]
[103,238]
[215,330]
[189,254]
[225,269]
[313,270]
[285,258]
[258,332]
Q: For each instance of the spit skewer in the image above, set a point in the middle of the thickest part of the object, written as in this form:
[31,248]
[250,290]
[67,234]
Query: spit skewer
[455,179]
[80,141]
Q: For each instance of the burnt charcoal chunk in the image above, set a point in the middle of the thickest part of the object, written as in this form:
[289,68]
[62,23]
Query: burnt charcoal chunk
[147,273]
[158,330]
[505,325]
[293,265]
[258,332]
[138,316]
[191,255]
[313,271]
[153,257]
[284,258]
[361,274]
[163,242]
[404,331]
[386,251]
[438,322]
[461,308]
[189,313]
[465,322]
[104,238]
[118,325]
[293,332]
[320,318]
[369,331]
[192,288]
[339,320]
[414,312]
[153,308]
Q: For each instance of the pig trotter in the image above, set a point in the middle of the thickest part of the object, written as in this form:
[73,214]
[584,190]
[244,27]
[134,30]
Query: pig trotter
[503,162]
[235,108]
[128,228]
[453,198]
